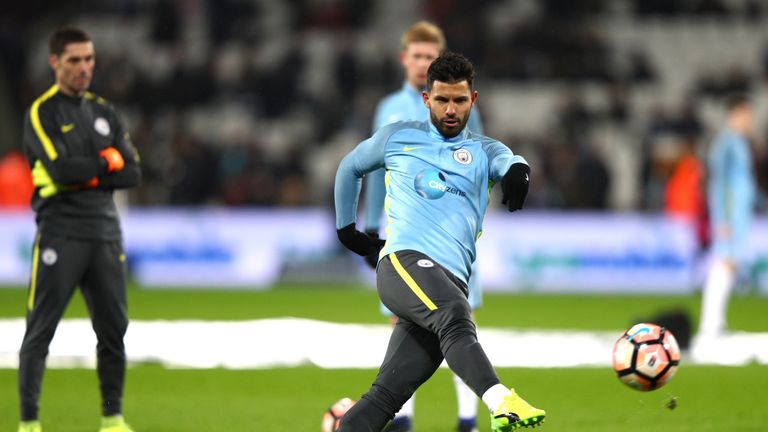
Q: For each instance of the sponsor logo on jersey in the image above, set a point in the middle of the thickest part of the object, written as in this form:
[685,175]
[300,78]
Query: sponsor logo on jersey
[462,156]
[49,257]
[102,126]
[433,184]
[67,127]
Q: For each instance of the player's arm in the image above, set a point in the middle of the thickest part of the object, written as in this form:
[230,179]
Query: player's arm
[44,143]
[366,157]
[512,171]
[719,160]
[375,190]
[130,174]
[375,193]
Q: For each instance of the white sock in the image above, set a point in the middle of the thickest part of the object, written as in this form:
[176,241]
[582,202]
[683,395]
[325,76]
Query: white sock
[714,301]
[407,409]
[494,396]
[466,398]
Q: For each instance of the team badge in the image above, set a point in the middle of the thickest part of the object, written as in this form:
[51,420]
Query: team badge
[102,126]
[462,156]
[49,257]
[425,263]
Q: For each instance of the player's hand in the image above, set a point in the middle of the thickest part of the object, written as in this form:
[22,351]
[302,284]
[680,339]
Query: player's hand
[41,179]
[359,242]
[373,259]
[114,159]
[91,184]
[514,186]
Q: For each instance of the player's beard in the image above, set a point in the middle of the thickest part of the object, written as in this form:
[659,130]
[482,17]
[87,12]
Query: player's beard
[449,131]
[78,84]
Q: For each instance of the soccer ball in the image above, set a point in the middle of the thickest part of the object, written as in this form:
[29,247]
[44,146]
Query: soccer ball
[646,357]
[332,417]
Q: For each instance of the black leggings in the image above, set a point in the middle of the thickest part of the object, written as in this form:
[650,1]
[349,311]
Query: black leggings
[434,323]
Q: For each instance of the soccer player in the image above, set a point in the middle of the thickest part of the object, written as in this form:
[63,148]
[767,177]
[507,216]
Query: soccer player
[421,44]
[79,153]
[437,178]
[731,194]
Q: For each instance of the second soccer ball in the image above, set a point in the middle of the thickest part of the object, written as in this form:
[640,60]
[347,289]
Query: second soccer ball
[332,417]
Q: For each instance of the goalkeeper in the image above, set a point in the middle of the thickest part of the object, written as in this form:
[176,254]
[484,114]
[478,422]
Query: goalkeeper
[79,153]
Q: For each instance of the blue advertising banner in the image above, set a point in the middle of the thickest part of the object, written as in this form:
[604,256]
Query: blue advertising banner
[525,251]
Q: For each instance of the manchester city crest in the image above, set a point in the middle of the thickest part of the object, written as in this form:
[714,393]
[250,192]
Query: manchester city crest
[462,156]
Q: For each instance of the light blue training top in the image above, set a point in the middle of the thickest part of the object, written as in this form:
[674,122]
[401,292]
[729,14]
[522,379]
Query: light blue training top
[404,104]
[731,189]
[437,189]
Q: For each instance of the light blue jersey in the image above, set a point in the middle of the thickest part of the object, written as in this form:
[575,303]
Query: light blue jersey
[437,189]
[731,192]
[402,105]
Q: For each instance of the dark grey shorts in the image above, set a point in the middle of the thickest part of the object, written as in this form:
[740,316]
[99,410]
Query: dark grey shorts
[414,287]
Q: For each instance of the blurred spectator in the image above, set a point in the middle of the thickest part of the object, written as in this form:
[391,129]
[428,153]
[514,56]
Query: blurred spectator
[15,181]
[193,174]
[722,83]
[589,183]
[276,68]
[618,104]
[684,193]
[575,118]
[640,68]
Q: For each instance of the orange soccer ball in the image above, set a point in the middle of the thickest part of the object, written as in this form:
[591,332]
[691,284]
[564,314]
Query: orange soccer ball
[646,357]
[332,417]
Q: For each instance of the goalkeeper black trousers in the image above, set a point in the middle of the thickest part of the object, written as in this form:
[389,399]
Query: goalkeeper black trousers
[434,323]
[59,265]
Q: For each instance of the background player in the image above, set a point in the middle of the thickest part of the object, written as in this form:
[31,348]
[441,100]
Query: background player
[437,192]
[731,202]
[420,44]
[79,153]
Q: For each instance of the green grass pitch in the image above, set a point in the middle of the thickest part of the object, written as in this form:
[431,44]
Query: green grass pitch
[293,399]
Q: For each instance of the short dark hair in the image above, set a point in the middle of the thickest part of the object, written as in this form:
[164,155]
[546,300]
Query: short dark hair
[736,100]
[66,35]
[450,68]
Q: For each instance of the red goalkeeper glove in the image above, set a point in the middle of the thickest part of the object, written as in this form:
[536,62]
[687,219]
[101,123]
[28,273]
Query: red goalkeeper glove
[114,159]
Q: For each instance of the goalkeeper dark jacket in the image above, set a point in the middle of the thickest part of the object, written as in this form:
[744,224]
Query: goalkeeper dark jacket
[63,136]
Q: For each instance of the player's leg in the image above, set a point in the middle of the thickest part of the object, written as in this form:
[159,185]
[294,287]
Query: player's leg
[58,264]
[717,290]
[442,308]
[465,396]
[413,355]
[728,254]
[104,290]
[403,420]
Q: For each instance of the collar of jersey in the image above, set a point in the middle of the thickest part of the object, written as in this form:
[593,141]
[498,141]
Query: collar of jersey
[68,97]
[434,133]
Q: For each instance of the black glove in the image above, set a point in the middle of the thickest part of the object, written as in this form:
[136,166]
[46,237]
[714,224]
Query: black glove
[358,242]
[514,186]
[373,259]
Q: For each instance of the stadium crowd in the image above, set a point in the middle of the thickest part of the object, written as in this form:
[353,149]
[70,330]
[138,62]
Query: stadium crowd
[253,102]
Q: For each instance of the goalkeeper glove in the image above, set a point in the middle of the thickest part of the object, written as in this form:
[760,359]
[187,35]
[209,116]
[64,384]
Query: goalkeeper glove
[359,242]
[514,186]
[48,188]
[41,179]
[114,159]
